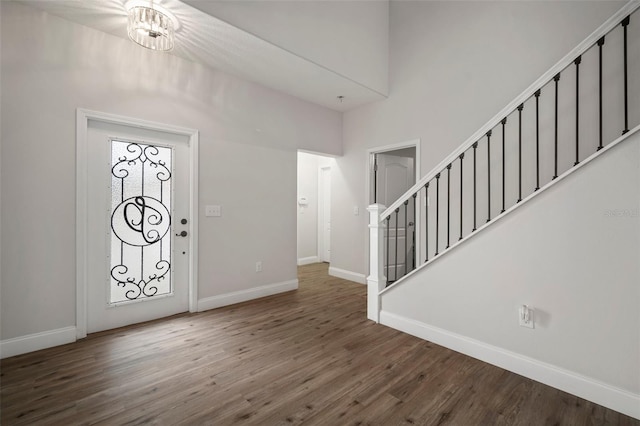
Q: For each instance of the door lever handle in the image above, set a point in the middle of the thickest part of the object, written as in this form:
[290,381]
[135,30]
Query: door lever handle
[182,234]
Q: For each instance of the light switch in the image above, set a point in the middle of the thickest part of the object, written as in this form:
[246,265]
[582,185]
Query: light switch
[356,211]
[212,211]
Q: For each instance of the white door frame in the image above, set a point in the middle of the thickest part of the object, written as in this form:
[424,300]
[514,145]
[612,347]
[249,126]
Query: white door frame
[320,214]
[414,143]
[82,171]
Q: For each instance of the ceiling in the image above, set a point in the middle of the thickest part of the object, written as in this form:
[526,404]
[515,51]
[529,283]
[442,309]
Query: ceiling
[208,40]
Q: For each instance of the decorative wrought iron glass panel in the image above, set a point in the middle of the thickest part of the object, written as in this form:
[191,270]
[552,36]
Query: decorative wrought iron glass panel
[140,221]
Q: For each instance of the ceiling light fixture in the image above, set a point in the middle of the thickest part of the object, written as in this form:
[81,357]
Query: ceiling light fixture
[151,26]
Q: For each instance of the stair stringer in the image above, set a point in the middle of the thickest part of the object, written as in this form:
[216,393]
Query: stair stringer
[572,252]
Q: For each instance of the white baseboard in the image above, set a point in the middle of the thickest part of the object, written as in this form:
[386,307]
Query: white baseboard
[37,341]
[347,275]
[245,295]
[308,260]
[584,387]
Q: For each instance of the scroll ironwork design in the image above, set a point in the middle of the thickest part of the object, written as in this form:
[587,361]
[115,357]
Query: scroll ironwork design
[140,221]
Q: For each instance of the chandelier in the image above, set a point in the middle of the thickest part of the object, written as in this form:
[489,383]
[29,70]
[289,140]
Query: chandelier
[151,27]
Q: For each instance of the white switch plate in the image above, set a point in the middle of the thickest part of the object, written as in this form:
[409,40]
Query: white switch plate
[525,316]
[259,266]
[212,211]
[356,211]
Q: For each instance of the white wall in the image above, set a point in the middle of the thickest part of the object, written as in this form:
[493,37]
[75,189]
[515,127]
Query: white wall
[573,254]
[347,37]
[453,65]
[308,173]
[307,215]
[249,136]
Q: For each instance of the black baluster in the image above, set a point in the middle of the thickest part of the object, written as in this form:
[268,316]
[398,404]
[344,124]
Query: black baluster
[475,145]
[556,79]
[406,233]
[577,63]
[437,211]
[426,223]
[413,249]
[395,273]
[448,202]
[625,24]
[413,233]
[520,107]
[503,122]
[537,95]
[600,44]
[388,238]
[489,176]
[461,164]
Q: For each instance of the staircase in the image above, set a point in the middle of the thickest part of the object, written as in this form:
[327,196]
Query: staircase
[571,119]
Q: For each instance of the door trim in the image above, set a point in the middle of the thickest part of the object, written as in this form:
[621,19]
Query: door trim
[320,214]
[414,143]
[82,170]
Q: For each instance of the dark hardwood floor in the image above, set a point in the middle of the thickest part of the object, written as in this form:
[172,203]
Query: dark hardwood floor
[308,356]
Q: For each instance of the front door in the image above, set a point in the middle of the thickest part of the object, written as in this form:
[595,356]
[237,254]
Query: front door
[137,225]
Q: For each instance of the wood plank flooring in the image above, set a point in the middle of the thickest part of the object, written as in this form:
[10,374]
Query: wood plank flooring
[305,357]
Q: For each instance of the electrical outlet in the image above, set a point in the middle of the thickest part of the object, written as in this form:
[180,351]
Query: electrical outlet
[259,266]
[525,316]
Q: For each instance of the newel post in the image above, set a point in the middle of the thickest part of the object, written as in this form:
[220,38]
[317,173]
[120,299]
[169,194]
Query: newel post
[376,281]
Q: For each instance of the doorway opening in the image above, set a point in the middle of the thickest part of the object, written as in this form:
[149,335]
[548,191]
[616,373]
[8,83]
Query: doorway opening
[314,208]
[392,171]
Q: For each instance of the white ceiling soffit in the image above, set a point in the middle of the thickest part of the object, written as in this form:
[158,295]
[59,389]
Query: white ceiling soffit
[205,39]
[346,36]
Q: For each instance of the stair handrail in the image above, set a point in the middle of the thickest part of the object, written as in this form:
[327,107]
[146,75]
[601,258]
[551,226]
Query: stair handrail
[609,25]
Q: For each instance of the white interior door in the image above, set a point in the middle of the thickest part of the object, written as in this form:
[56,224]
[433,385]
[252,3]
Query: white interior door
[395,175]
[137,225]
[325,214]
